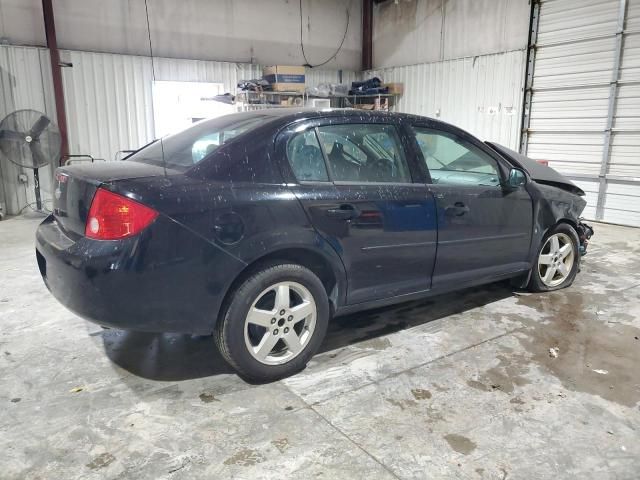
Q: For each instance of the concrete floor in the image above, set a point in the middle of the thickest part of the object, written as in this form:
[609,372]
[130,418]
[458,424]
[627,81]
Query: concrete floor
[460,386]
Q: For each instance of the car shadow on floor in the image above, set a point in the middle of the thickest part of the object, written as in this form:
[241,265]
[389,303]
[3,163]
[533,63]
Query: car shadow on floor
[174,357]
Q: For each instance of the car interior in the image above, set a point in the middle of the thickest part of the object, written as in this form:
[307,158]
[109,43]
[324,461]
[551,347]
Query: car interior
[451,162]
[358,157]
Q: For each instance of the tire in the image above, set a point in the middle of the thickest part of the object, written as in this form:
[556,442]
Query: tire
[254,335]
[557,262]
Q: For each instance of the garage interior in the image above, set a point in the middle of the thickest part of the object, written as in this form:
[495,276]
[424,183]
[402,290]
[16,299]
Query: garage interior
[486,383]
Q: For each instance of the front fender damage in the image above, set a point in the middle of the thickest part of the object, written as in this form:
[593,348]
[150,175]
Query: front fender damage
[552,205]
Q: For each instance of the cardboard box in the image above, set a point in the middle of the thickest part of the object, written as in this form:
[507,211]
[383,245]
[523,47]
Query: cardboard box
[285,78]
[395,88]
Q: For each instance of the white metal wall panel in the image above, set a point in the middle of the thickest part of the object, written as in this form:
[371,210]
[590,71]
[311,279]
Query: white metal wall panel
[108,100]
[623,203]
[313,76]
[628,107]
[590,188]
[633,17]
[630,61]
[480,94]
[25,83]
[569,20]
[109,96]
[584,112]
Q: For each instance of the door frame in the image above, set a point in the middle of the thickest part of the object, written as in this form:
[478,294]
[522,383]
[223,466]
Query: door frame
[419,176]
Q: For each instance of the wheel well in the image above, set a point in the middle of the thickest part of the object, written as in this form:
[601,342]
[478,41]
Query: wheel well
[307,258]
[568,221]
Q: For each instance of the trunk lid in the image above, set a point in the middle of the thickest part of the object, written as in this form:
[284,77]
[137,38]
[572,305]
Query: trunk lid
[75,186]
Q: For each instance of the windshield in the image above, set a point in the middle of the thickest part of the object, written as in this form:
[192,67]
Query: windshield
[184,149]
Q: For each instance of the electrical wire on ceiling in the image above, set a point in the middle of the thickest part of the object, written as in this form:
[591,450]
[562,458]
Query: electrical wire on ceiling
[153,75]
[153,69]
[344,36]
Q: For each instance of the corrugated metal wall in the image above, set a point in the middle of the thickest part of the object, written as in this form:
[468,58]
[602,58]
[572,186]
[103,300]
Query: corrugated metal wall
[481,94]
[109,99]
[25,83]
[314,77]
[109,96]
[584,115]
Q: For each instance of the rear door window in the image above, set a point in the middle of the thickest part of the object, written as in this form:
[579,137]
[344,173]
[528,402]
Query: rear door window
[187,148]
[364,153]
[305,157]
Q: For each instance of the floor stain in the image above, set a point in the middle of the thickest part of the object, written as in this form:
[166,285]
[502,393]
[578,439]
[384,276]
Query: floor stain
[585,344]
[504,377]
[460,443]
[381,343]
[433,415]
[440,388]
[420,394]
[101,461]
[401,404]
[245,458]
[281,444]
[208,398]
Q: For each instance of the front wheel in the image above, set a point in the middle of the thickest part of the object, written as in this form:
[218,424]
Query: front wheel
[274,323]
[558,260]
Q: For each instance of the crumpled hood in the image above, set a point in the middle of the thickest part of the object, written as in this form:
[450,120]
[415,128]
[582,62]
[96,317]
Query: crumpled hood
[537,171]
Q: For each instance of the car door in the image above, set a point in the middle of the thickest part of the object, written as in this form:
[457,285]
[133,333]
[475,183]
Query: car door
[484,228]
[355,183]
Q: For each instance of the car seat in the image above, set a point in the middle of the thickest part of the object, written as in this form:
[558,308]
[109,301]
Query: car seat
[309,164]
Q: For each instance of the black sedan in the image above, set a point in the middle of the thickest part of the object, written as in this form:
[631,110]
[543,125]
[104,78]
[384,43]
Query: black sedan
[260,226]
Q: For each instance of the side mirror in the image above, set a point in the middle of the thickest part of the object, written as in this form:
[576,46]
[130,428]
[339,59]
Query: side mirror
[517,178]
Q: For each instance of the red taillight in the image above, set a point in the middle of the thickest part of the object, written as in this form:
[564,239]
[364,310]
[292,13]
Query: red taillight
[112,216]
[543,162]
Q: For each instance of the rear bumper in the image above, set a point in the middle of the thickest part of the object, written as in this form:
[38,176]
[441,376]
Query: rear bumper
[165,280]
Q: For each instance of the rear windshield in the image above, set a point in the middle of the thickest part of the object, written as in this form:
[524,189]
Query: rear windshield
[184,149]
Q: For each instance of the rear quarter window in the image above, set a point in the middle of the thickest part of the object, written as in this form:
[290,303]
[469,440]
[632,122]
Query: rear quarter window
[233,148]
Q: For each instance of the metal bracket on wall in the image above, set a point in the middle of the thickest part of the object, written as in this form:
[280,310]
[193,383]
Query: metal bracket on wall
[531,60]
[613,93]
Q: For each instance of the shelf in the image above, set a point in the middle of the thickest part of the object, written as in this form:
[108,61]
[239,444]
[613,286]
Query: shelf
[245,100]
[374,95]
[302,94]
[267,92]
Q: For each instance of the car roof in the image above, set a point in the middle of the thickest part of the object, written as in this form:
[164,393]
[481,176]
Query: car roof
[289,114]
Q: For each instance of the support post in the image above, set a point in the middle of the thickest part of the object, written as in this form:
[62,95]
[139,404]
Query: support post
[56,74]
[367,34]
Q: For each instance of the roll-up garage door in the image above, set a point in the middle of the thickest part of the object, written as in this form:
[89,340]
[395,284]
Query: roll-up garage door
[582,100]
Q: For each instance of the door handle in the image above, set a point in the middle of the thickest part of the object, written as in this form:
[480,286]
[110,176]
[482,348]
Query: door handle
[343,212]
[456,210]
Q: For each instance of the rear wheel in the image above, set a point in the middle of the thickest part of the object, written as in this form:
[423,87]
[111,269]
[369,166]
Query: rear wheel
[274,323]
[558,260]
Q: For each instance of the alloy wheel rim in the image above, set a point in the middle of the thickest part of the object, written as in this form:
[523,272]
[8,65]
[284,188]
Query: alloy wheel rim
[280,323]
[556,259]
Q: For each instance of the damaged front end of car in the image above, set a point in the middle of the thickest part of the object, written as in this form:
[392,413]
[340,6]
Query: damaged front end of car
[585,232]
